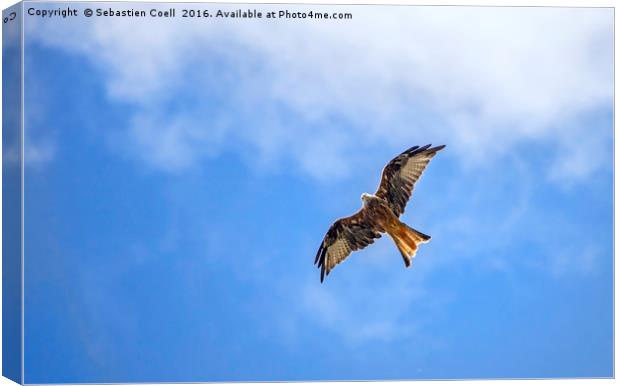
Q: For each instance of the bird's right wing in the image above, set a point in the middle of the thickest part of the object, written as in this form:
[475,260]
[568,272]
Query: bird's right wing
[400,175]
[345,236]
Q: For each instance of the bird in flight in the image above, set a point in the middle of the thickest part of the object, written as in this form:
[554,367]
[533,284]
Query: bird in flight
[379,213]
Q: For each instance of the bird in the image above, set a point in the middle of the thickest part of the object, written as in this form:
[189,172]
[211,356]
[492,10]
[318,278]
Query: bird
[380,213]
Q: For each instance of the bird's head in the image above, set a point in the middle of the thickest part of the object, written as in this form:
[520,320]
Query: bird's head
[365,197]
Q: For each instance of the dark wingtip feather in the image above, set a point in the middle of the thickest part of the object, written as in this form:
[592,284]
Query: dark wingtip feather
[318,254]
[411,149]
[416,150]
[321,261]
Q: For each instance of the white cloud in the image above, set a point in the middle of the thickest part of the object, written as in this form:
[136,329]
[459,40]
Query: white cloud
[483,80]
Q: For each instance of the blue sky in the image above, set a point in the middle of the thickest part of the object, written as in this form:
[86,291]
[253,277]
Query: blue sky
[181,175]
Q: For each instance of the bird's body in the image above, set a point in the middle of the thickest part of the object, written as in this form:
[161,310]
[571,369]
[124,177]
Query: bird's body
[405,238]
[380,213]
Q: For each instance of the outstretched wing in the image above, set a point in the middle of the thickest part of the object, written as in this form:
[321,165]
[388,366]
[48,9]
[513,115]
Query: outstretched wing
[400,175]
[345,236]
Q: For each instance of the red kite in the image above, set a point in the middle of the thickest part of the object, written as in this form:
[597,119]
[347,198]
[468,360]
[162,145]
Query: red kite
[379,213]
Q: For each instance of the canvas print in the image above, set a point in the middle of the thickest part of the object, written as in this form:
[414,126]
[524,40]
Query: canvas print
[211,192]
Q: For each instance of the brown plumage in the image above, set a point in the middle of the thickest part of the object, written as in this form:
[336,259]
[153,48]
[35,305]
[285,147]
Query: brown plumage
[379,213]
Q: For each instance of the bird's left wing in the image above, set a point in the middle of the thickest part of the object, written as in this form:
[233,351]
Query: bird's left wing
[400,175]
[345,236]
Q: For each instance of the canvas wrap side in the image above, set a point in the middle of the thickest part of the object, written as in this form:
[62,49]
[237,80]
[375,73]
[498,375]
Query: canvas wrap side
[12,167]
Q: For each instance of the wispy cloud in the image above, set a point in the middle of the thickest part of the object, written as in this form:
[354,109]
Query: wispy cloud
[354,304]
[484,80]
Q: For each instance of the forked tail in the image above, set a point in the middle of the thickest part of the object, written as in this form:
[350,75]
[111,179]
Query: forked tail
[407,240]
